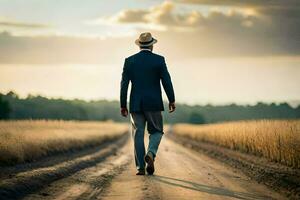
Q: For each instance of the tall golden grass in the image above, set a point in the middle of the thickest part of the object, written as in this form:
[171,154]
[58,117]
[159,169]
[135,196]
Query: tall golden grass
[29,140]
[277,140]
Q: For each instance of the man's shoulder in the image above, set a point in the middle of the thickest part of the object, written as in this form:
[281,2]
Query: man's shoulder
[158,56]
[134,55]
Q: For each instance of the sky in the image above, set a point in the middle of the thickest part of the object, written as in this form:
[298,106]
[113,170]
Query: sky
[217,51]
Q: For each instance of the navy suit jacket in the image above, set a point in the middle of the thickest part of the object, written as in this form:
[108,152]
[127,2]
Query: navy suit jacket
[145,70]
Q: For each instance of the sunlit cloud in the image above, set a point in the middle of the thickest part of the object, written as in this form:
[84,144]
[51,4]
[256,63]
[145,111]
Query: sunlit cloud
[7,22]
[17,27]
[190,32]
[240,28]
[247,3]
[165,16]
[135,18]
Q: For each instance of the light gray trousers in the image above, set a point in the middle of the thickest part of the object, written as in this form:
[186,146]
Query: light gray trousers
[154,122]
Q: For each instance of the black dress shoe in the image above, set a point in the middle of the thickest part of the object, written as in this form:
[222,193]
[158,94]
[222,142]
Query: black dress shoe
[150,163]
[140,172]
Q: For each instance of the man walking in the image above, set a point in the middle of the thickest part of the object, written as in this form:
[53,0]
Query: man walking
[145,70]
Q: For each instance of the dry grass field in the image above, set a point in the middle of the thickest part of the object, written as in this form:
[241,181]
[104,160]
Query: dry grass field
[31,139]
[277,140]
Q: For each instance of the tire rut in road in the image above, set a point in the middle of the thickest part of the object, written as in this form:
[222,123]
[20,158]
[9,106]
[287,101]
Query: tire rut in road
[28,182]
[88,183]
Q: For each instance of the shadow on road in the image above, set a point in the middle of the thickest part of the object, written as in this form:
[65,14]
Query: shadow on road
[205,188]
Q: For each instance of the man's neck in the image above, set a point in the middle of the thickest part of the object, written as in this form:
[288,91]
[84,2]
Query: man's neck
[146,50]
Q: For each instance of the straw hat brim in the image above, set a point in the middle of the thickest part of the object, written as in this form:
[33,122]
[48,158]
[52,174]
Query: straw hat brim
[137,42]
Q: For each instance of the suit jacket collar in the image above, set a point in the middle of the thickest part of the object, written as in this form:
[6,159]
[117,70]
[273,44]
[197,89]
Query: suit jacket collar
[145,50]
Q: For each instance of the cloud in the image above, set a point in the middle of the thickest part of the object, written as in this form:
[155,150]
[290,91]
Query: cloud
[265,30]
[62,49]
[161,14]
[176,46]
[166,15]
[132,16]
[18,24]
[247,3]
[282,17]
[187,34]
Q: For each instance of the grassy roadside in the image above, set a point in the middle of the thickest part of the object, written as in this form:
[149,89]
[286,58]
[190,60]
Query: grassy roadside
[281,178]
[276,140]
[28,140]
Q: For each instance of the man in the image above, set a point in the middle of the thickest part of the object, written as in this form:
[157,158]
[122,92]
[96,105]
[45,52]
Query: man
[145,70]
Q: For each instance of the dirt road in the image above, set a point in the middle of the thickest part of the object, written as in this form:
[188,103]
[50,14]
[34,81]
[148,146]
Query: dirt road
[184,174]
[180,174]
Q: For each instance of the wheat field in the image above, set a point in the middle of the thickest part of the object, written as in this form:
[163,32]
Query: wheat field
[28,140]
[277,140]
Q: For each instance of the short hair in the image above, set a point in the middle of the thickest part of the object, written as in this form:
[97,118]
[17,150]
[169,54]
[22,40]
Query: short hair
[146,47]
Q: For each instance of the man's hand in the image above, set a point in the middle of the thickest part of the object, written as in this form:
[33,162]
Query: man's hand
[124,112]
[172,107]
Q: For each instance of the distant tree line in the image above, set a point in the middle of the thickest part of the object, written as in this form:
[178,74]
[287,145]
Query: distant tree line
[39,107]
[4,108]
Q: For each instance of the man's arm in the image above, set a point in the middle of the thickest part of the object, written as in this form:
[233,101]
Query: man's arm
[168,86]
[124,89]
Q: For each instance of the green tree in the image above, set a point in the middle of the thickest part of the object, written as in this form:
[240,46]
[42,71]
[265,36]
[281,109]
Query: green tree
[4,109]
[196,118]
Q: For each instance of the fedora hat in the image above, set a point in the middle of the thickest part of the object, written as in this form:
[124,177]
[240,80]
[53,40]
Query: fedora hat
[145,40]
